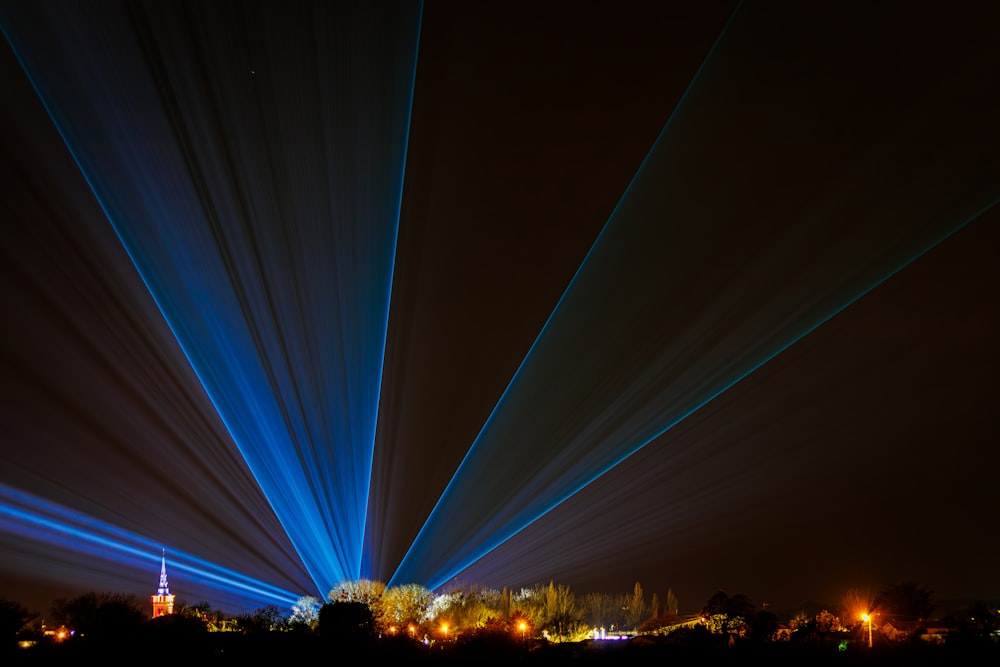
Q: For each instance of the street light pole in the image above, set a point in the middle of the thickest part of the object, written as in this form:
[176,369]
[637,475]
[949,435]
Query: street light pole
[868,619]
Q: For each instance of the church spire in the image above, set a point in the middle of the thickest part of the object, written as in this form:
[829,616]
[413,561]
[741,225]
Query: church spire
[164,588]
[163,601]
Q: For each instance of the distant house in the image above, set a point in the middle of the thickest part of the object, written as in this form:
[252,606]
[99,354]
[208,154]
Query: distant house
[935,633]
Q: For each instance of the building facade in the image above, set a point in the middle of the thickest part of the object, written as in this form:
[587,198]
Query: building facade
[163,601]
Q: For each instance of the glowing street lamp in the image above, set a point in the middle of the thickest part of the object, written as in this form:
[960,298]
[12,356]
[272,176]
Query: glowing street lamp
[868,619]
[444,630]
[522,626]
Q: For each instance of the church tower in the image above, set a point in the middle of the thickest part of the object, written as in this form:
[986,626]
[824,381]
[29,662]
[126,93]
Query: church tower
[163,601]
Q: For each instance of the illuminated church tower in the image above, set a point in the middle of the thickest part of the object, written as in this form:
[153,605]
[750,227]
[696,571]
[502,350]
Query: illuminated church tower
[163,601]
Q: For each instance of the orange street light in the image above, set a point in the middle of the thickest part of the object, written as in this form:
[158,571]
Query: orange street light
[444,630]
[868,619]
[522,626]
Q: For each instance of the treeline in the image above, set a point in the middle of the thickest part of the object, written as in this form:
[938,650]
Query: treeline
[413,623]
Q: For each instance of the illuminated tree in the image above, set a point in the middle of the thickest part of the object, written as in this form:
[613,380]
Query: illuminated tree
[505,605]
[407,604]
[801,622]
[636,611]
[366,591]
[658,623]
[531,602]
[305,611]
[442,607]
[465,611]
[672,605]
[213,619]
[729,615]
[561,614]
[480,606]
[827,622]
[599,609]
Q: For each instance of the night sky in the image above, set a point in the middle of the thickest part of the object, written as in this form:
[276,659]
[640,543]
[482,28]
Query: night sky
[700,297]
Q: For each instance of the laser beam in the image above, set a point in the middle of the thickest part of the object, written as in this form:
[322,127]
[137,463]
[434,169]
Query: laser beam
[40,521]
[702,275]
[268,252]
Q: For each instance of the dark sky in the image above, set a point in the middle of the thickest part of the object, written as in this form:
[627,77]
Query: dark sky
[862,455]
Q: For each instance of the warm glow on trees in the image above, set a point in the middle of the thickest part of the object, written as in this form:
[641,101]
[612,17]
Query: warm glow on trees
[366,591]
[637,611]
[357,590]
[407,604]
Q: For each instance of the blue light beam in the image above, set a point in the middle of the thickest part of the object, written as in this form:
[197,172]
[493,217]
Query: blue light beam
[708,268]
[26,517]
[254,177]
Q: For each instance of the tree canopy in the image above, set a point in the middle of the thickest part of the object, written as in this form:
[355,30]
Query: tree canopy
[906,601]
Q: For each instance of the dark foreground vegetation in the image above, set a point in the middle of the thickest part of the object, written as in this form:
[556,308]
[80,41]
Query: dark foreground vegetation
[543,626]
[176,643]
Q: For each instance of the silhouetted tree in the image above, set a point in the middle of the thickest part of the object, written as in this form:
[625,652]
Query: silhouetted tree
[977,625]
[212,619]
[763,626]
[496,641]
[351,622]
[13,618]
[367,591]
[178,631]
[717,605]
[260,621]
[907,601]
[100,615]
